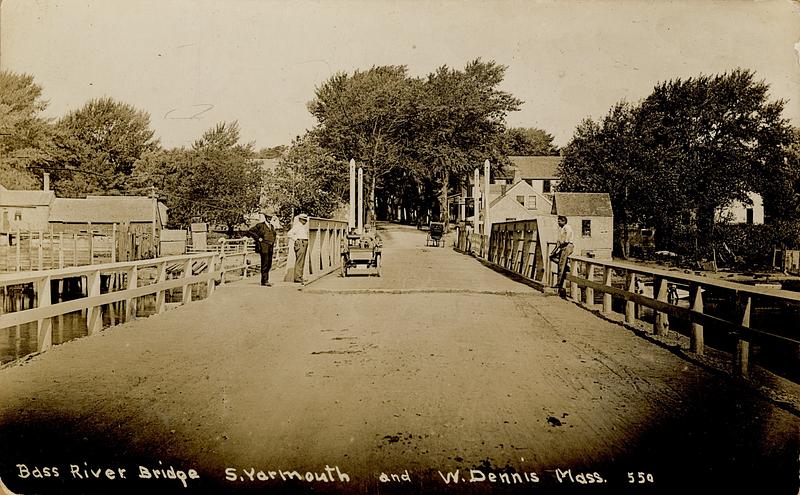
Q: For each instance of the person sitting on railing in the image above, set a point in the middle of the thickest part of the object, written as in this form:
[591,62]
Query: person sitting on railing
[565,247]
[264,235]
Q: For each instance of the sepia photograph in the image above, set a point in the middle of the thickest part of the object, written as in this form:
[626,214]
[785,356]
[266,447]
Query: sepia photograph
[399,247]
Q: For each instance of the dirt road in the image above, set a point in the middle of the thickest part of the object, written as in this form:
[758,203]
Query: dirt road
[446,367]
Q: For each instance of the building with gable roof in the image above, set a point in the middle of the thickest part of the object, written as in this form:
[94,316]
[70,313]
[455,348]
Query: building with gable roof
[102,212]
[592,220]
[25,210]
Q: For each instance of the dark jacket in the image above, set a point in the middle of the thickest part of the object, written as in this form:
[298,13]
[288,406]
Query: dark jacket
[264,234]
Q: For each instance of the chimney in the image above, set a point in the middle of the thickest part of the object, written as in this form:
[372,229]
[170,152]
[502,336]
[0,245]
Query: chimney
[46,185]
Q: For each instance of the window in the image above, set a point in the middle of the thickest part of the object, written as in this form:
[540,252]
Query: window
[521,200]
[586,228]
[546,186]
[17,215]
[531,202]
[749,216]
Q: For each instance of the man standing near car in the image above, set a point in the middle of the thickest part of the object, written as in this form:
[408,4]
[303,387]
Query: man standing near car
[264,234]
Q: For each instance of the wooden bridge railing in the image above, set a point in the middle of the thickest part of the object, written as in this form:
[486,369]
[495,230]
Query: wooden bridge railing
[584,284]
[514,246]
[143,278]
[325,238]
[25,251]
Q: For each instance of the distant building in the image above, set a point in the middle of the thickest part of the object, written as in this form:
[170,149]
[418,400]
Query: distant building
[102,212]
[738,212]
[540,172]
[25,210]
[518,202]
[592,220]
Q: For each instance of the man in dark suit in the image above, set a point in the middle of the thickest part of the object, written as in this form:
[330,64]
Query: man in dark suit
[264,234]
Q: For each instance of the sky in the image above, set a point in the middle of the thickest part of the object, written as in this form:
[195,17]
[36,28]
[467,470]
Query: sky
[193,63]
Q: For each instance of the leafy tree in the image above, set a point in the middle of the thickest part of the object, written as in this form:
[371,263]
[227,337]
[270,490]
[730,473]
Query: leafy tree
[721,134]
[274,152]
[528,141]
[25,137]
[460,122]
[364,117]
[104,138]
[685,151]
[308,179]
[216,180]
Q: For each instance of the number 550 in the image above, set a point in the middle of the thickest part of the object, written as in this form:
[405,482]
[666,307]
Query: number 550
[640,477]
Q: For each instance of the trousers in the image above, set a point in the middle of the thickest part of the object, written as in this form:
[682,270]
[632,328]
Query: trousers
[300,247]
[266,263]
[562,264]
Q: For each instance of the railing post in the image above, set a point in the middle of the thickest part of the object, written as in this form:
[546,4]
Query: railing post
[40,251]
[187,290]
[742,358]
[19,246]
[630,306]
[697,340]
[94,314]
[130,303]
[212,273]
[590,291]
[44,325]
[161,295]
[661,322]
[607,273]
[574,289]
[61,250]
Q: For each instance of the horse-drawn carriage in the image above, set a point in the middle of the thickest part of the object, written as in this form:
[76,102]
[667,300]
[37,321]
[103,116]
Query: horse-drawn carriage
[361,254]
[435,235]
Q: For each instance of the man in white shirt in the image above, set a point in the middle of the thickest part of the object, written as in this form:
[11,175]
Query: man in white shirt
[565,237]
[299,233]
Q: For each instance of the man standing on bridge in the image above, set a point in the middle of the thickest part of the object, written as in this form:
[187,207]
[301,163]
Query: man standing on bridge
[264,235]
[565,238]
[299,233]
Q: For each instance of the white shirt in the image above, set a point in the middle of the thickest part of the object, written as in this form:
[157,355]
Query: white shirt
[565,234]
[299,231]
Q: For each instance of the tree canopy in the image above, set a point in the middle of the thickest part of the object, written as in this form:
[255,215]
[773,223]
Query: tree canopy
[528,141]
[216,181]
[103,139]
[421,131]
[25,136]
[689,148]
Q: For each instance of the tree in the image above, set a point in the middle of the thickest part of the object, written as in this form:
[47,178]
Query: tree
[25,137]
[104,138]
[460,122]
[365,117]
[308,179]
[688,149]
[216,180]
[721,135]
[528,141]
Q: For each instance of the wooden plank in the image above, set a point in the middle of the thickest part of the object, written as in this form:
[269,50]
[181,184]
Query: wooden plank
[607,274]
[686,313]
[130,303]
[661,321]
[696,298]
[94,317]
[686,279]
[31,315]
[742,354]
[44,325]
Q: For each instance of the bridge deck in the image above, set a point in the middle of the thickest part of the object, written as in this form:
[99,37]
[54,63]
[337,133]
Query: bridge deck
[447,365]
